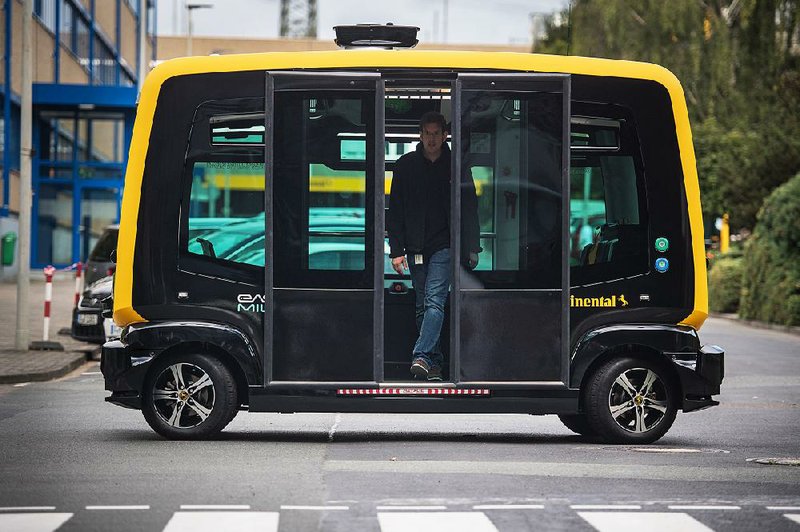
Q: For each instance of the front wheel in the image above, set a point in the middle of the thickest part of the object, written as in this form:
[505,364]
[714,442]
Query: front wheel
[631,400]
[189,396]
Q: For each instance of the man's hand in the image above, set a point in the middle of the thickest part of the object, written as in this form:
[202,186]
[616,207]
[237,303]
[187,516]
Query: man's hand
[473,260]
[400,264]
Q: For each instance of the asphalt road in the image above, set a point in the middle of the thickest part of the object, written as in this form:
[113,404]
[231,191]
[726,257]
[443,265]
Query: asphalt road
[68,459]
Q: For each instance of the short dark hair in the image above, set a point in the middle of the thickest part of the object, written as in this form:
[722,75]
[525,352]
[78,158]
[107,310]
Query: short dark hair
[432,117]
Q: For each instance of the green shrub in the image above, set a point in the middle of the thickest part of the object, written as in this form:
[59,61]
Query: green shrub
[725,284]
[771,283]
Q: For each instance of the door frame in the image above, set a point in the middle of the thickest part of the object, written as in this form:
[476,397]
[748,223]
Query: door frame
[314,81]
[500,82]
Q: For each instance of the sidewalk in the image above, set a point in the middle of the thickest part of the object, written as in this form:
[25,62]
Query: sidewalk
[24,366]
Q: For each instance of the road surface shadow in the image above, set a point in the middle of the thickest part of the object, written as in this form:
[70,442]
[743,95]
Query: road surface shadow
[399,435]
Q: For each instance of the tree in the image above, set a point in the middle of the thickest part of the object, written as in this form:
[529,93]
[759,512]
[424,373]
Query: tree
[738,62]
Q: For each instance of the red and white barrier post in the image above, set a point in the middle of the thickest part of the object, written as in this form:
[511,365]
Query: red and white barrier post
[48,299]
[78,272]
[46,344]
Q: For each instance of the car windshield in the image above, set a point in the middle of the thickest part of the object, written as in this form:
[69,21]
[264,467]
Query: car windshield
[105,245]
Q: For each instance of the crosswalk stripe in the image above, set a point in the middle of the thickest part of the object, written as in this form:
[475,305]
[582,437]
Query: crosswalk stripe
[215,506]
[39,522]
[215,521]
[26,508]
[435,522]
[429,507]
[508,507]
[319,508]
[121,507]
[793,517]
[650,521]
[606,507]
[702,507]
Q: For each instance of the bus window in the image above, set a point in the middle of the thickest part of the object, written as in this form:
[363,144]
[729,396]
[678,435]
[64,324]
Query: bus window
[321,186]
[511,156]
[607,229]
[224,172]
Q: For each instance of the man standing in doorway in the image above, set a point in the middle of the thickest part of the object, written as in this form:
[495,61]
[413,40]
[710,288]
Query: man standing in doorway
[418,224]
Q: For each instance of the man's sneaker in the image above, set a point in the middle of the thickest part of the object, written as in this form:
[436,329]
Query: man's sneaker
[435,374]
[420,368]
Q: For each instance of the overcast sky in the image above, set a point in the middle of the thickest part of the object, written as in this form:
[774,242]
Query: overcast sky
[469,21]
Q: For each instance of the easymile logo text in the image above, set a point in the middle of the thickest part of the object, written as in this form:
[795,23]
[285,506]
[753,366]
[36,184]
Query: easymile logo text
[250,303]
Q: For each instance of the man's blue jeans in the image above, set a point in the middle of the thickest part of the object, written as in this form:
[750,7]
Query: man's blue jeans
[431,282]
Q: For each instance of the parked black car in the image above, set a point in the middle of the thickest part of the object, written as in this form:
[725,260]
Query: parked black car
[87,318]
[99,263]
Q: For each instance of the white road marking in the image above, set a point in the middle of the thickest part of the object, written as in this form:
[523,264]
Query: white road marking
[435,522]
[322,508]
[26,508]
[121,507]
[215,521]
[430,507]
[793,517]
[92,373]
[702,507]
[21,385]
[215,506]
[784,508]
[508,507]
[43,522]
[606,507]
[650,521]
[336,421]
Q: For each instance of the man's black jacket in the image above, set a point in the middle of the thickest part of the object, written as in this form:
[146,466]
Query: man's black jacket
[405,220]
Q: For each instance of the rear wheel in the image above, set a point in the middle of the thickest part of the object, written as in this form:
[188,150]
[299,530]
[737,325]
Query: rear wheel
[577,423]
[631,400]
[190,396]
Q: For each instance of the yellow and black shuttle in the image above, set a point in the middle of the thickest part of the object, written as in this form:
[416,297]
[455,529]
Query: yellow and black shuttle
[252,264]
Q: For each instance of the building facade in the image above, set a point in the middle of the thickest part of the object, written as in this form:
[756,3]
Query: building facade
[85,58]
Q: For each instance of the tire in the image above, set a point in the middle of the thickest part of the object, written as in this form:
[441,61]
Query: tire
[577,423]
[189,397]
[631,400]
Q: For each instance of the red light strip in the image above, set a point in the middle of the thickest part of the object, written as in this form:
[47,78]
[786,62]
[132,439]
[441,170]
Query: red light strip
[411,391]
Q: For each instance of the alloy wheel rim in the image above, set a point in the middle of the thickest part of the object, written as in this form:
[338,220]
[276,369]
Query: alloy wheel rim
[183,395]
[638,400]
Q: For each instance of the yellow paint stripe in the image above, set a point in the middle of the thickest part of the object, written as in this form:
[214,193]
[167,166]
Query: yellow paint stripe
[123,307]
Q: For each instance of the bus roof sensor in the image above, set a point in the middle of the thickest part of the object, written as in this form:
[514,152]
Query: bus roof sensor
[381,35]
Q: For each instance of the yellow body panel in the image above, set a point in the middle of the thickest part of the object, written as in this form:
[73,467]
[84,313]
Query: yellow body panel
[124,313]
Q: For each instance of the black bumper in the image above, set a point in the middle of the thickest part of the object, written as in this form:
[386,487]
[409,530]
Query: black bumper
[701,375]
[124,370]
[94,334]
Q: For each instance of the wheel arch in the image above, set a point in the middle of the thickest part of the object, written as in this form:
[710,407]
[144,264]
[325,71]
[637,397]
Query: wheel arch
[603,344]
[217,352]
[227,343]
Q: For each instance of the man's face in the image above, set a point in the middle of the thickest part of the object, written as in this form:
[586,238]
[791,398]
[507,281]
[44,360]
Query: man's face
[432,138]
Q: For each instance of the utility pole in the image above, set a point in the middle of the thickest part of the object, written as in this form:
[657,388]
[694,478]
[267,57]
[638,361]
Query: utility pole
[24,275]
[143,62]
[190,8]
[298,19]
[445,22]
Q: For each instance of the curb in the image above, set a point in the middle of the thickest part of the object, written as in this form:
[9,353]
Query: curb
[78,360]
[789,329]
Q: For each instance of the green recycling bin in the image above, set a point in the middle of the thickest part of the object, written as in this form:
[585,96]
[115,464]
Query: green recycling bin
[9,241]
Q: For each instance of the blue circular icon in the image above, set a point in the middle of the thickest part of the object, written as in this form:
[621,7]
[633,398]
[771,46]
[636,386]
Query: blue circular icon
[662,265]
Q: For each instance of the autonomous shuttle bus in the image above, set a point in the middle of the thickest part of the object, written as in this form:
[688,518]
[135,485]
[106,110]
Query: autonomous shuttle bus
[253,269]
